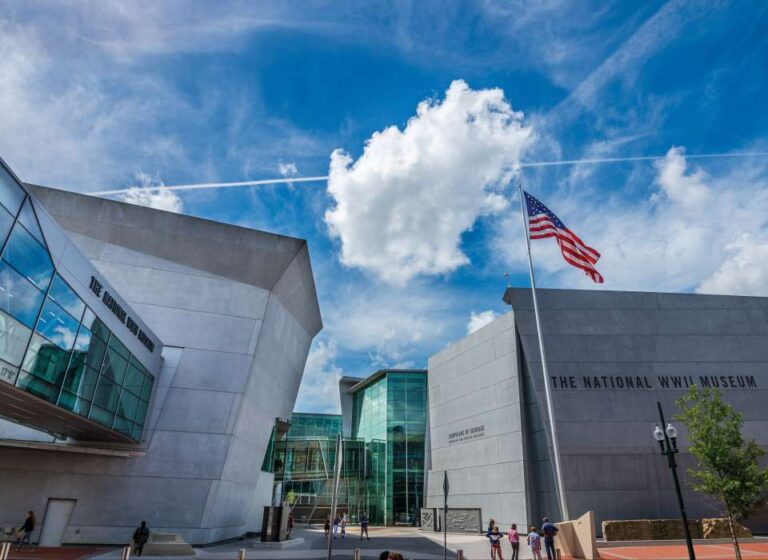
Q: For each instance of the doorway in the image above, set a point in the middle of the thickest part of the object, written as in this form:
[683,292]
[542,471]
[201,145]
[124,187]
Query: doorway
[57,516]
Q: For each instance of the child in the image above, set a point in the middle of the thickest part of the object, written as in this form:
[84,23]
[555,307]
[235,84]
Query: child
[534,541]
[495,538]
[514,540]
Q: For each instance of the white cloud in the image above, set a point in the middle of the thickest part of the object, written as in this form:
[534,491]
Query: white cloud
[697,231]
[401,208]
[319,391]
[160,198]
[744,270]
[478,320]
[287,169]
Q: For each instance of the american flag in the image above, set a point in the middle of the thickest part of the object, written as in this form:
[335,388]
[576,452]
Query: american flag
[542,223]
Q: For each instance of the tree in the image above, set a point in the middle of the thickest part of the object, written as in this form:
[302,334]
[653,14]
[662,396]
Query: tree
[728,466]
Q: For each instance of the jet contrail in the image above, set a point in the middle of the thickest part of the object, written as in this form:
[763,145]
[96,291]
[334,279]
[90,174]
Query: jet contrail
[322,178]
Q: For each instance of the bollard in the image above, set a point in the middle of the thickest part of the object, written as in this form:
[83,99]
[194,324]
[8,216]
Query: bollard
[459,554]
[357,554]
[241,554]
[5,548]
[126,553]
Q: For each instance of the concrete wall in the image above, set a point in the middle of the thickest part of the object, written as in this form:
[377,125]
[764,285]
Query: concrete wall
[472,383]
[611,463]
[236,339]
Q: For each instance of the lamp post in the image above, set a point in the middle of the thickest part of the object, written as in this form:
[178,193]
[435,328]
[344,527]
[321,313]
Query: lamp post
[667,439]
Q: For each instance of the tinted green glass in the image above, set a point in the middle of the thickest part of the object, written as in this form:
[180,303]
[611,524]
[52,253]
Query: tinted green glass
[19,297]
[46,361]
[13,339]
[127,406]
[11,193]
[136,432]
[72,402]
[107,394]
[37,386]
[119,347]
[134,379]
[141,413]
[146,389]
[95,326]
[29,257]
[57,325]
[80,379]
[123,425]
[62,294]
[114,366]
[90,349]
[104,417]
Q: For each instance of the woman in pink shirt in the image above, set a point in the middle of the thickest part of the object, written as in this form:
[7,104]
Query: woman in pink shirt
[514,540]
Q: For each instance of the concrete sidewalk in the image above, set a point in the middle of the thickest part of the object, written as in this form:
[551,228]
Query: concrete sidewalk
[412,543]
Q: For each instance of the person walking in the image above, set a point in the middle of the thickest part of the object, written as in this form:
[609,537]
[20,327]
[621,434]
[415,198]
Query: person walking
[534,541]
[140,538]
[336,523]
[514,540]
[344,522]
[495,538]
[364,526]
[25,531]
[327,526]
[549,530]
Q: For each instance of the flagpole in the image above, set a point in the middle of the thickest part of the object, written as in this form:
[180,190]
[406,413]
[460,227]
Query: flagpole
[545,373]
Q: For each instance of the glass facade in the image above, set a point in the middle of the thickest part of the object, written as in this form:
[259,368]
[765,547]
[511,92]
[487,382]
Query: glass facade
[390,413]
[51,344]
[383,466]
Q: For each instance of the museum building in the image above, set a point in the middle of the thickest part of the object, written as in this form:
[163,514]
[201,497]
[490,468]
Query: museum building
[383,427]
[611,357]
[144,358]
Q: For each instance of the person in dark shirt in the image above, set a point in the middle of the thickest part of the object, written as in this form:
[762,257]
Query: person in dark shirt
[549,530]
[140,538]
[25,532]
[364,526]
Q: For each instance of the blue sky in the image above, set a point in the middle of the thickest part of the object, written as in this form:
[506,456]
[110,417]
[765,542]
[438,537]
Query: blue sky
[412,236]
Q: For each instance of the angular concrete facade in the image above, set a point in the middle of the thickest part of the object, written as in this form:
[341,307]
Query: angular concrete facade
[236,311]
[611,357]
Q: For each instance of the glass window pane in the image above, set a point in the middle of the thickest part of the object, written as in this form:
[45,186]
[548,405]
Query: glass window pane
[18,296]
[114,366]
[136,432]
[141,413]
[146,390]
[6,222]
[128,406]
[101,416]
[46,360]
[8,372]
[119,347]
[28,219]
[123,425]
[134,379]
[57,325]
[74,403]
[37,386]
[30,258]
[11,193]
[13,339]
[80,379]
[66,297]
[94,352]
[107,394]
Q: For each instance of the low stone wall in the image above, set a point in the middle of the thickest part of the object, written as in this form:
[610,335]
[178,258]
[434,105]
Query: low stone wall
[649,530]
[717,528]
[669,529]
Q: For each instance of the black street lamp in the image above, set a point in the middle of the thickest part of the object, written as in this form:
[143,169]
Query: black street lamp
[667,439]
